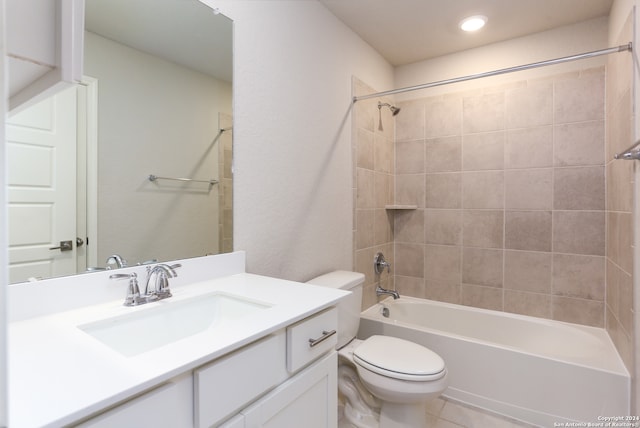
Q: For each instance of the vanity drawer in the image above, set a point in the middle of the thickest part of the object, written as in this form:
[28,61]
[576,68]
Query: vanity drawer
[224,386]
[310,338]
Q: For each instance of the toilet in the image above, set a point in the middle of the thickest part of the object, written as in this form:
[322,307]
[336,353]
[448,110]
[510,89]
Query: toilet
[399,375]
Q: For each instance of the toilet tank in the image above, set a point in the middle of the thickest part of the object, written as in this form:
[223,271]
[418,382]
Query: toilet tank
[349,306]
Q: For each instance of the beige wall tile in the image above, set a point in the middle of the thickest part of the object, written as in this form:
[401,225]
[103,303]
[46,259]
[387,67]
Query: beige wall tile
[442,291]
[483,228]
[364,149]
[443,117]
[410,157]
[364,113]
[625,242]
[620,186]
[410,123]
[580,188]
[409,260]
[524,303]
[579,100]
[383,189]
[443,263]
[365,196]
[530,106]
[528,230]
[409,226]
[443,154]
[383,154]
[619,125]
[612,240]
[364,264]
[625,297]
[483,190]
[483,113]
[365,228]
[410,189]
[579,232]
[579,276]
[383,227]
[482,266]
[481,297]
[410,286]
[612,287]
[483,151]
[580,311]
[529,148]
[529,189]
[444,190]
[528,271]
[443,227]
[579,144]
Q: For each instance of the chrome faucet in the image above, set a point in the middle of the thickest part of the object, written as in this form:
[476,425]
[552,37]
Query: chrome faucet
[379,264]
[133,291]
[161,290]
[162,273]
[117,260]
[383,291]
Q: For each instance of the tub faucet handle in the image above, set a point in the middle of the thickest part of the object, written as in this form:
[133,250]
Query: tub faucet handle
[379,263]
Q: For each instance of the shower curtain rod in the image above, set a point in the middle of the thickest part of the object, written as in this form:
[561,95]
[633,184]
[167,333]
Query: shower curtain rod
[608,51]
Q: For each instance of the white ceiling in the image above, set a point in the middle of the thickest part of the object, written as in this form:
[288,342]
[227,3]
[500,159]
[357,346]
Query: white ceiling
[184,32]
[406,31]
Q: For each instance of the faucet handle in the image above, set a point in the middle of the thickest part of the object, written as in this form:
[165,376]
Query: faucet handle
[173,268]
[379,263]
[133,291]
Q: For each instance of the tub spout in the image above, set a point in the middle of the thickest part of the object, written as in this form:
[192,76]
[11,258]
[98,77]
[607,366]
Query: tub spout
[383,291]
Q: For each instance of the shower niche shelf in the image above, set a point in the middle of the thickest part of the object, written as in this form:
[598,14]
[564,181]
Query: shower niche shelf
[400,207]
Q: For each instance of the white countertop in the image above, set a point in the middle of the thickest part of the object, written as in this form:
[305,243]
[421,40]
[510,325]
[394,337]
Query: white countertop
[59,374]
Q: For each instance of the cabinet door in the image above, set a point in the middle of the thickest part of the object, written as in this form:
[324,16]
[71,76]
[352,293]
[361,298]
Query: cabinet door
[168,406]
[309,399]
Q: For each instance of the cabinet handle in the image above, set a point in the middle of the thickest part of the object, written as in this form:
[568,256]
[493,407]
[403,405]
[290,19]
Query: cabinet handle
[325,336]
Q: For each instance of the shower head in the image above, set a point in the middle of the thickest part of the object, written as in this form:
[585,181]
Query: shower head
[394,110]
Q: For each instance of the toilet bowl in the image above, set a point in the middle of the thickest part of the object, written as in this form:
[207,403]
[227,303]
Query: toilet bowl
[401,374]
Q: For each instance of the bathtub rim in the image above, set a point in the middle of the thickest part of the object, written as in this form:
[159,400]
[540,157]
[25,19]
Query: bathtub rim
[374,313]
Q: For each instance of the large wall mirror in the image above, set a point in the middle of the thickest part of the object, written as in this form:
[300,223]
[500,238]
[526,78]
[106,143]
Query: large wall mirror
[156,101]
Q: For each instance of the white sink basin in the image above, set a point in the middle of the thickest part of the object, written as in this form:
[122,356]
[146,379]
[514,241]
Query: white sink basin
[169,321]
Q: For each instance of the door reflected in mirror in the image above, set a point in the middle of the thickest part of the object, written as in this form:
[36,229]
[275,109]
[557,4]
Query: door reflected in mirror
[156,100]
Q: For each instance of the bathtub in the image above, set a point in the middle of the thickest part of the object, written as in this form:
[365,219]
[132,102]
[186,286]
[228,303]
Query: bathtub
[535,370]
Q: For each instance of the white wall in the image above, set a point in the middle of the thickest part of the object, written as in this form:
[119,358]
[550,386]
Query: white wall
[155,117]
[4,243]
[292,134]
[560,42]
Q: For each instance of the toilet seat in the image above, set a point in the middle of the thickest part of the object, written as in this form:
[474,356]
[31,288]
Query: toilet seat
[399,359]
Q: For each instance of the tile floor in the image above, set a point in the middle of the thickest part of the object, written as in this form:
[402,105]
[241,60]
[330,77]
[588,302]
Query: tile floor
[443,413]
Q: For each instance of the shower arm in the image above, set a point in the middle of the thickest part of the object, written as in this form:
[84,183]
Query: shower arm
[630,153]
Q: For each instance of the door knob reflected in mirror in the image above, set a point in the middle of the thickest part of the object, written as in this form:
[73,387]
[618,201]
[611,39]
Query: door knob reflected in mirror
[64,246]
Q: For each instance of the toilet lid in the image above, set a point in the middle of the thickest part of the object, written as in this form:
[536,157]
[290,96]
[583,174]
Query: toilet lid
[399,358]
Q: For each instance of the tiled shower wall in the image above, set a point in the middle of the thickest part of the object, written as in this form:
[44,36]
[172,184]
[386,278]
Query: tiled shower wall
[619,279]
[509,184]
[373,181]
[225,193]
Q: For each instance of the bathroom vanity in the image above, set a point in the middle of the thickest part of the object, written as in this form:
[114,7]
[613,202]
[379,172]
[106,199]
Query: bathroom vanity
[227,349]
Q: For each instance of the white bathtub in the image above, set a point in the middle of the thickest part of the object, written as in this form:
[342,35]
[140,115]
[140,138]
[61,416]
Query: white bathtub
[535,370]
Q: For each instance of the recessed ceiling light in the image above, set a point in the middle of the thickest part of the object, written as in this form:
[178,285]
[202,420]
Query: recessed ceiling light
[473,23]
